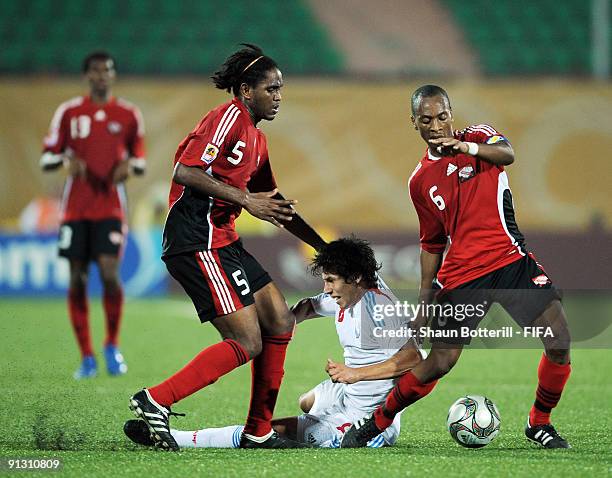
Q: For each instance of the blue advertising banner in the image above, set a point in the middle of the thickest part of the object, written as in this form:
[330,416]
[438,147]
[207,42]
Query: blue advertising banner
[30,266]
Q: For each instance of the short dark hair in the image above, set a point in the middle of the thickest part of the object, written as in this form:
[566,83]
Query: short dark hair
[427,91]
[96,56]
[248,65]
[349,258]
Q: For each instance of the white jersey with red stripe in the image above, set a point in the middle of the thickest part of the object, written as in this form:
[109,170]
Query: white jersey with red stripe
[466,203]
[227,145]
[354,326]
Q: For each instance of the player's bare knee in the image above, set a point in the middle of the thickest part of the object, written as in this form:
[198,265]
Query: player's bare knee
[252,345]
[442,361]
[306,401]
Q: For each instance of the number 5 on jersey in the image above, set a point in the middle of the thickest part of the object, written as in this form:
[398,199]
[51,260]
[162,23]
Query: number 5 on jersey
[438,200]
[237,152]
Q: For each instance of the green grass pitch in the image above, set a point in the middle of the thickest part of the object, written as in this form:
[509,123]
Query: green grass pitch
[45,413]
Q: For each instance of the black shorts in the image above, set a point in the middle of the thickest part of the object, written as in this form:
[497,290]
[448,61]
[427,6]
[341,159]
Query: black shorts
[218,281]
[86,240]
[522,288]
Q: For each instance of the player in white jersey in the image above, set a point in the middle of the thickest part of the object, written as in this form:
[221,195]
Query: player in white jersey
[354,295]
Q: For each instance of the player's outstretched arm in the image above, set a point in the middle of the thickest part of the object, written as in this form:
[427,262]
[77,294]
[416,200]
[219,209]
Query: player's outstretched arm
[304,310]
[405,359]
[302,230]
[262,205]
[499,154]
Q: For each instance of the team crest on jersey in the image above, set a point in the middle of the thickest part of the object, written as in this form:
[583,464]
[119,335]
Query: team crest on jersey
[495,139]
[114,127]
[210,153]
[466,173]
[541,280]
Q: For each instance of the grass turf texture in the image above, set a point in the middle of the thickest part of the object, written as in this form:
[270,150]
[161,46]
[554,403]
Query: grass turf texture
[45,413]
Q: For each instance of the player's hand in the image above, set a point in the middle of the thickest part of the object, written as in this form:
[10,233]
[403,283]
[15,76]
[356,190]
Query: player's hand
[262,206]
[448,146]
[121,172]
[338,372]
[417,325]
[76,167]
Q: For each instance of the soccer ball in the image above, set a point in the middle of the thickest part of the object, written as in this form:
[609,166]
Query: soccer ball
[473,421]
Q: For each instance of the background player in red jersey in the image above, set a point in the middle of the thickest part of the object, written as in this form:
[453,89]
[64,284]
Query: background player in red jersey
[221,167]
[99,140]
[461,195]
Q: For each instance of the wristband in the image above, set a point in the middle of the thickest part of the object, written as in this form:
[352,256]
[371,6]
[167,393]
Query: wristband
[472,148]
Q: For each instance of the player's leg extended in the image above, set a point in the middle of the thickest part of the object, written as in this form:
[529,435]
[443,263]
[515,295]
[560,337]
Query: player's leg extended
[553,372]
[277,323]
[78,310]
[223,437]
[418,382]
[241,341]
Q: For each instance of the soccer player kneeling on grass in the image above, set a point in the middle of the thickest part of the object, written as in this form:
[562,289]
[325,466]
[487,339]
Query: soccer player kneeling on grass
[352,292]
[461,194]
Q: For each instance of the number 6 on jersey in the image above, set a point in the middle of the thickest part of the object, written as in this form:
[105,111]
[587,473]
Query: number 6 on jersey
[438,200]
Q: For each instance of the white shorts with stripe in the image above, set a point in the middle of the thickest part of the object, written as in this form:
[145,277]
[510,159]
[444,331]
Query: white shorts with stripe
[329,419]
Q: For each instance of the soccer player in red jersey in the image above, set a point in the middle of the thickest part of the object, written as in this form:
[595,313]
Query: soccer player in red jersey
[461,194]
[99,140]
[221,167]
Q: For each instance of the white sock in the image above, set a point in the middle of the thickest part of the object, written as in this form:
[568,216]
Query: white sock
[226,437]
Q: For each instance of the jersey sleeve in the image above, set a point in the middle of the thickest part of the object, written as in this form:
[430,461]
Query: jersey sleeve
[135,144]
[263,178]
[483,133]
[324,305]
[213,137]
[431,230]
[57,138]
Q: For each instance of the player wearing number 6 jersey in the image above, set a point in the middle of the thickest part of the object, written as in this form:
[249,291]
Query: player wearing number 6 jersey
[474,254]
[99,139]
[221,167]
[352,293]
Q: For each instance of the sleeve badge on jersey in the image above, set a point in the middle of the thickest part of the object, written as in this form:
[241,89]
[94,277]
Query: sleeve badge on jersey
[495,139]
[210,153]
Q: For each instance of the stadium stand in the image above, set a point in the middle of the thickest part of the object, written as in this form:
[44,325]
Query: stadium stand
[523,37]
[160,37]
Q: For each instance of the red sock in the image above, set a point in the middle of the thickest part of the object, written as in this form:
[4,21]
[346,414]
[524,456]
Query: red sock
[78,310]
[552,377]
[113,306]
[210,364]
[406,391]
[267,374]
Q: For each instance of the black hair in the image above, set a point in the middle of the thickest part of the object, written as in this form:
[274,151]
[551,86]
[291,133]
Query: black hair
[349,258]
[95,56]
[427,91]
[248,65]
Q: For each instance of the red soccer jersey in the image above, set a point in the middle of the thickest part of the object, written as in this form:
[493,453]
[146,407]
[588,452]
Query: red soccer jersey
[466,202]
[228,146]
[102,136]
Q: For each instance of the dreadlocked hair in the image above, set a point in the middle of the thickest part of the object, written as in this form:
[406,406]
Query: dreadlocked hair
[349,258]
[248,65]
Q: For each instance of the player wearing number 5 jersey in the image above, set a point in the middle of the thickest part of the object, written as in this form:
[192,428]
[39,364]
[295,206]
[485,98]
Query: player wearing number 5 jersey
[99,139]
[473,254]
[221,167]
[352,293]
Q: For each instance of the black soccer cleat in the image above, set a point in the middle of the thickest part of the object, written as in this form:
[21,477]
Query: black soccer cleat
[156,418]
[275,441]
[360,433]
[138,432]
[546,436]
